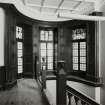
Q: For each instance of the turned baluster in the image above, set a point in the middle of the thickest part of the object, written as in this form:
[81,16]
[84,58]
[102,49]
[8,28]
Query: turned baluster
[69,98]
[76,100]
[83,103]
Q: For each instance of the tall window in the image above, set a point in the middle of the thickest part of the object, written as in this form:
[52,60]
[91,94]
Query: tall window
[19,37]
[46,48]
[79,49]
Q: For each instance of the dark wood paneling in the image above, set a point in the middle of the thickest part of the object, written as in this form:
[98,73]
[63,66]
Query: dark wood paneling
[68,48]
[2,77]
[35,37]
[91,50]
[10,48]
[28,50]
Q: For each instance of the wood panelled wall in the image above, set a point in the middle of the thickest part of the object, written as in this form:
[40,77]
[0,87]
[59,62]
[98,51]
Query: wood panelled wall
[36,66]
[27,51]
[2,77]
[8,73]
[64,46]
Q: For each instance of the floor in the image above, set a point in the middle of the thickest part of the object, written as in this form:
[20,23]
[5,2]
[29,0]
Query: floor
[26,92]
[51,86]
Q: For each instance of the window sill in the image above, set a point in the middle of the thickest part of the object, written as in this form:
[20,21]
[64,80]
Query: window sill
[82,80]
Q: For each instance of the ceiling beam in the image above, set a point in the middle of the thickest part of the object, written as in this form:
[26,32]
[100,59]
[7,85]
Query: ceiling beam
[59,5]
[77,4]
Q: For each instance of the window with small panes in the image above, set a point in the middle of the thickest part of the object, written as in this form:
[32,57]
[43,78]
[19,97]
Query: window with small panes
[79,49]
[19,38]
[46,48]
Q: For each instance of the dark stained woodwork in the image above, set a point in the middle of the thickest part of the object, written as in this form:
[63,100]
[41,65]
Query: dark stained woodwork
[10,58]
[55,51]
[61,84]
[2,77]
[27,51]
[35,37]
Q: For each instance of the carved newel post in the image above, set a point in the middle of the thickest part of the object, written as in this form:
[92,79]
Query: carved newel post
[43,74]
[61,84]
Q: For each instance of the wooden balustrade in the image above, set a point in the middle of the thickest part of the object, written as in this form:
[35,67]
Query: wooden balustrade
[66,95]
[79,98]
[69,96]
[43,74]
[44,79]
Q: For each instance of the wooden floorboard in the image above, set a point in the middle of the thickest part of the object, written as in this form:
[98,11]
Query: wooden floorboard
[26,92]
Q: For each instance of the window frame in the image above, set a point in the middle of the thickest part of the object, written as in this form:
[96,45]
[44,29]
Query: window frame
[47,42]
[19,40]
[79,41]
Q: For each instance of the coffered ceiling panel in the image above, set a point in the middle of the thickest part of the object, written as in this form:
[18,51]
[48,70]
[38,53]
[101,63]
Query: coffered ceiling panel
[36,8]
[85,8]
[48,10]
[63,11]
[36,2]
[52,3]
[69,4]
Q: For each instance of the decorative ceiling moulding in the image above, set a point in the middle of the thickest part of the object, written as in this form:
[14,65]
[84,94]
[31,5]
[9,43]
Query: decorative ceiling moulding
[32,13]
[81,17]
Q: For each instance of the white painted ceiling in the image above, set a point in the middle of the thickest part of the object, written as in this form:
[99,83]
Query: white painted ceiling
[62,6]
[58,10]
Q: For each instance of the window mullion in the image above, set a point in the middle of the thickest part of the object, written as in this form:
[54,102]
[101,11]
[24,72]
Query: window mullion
[79,56]
[47,55]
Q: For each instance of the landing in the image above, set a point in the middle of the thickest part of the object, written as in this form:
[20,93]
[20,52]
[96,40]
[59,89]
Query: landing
[25,93]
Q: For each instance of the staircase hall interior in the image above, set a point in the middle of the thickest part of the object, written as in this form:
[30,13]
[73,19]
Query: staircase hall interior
[52,52]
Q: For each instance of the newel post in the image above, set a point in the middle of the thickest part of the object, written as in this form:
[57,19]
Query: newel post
[43,74]
[61,84]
